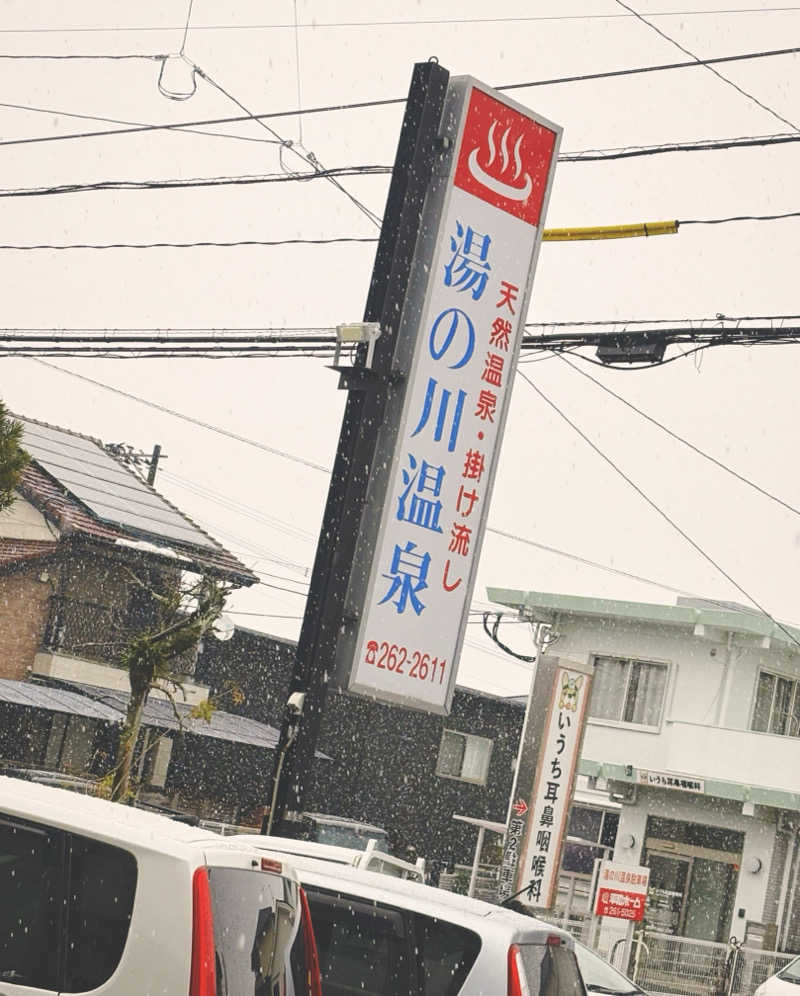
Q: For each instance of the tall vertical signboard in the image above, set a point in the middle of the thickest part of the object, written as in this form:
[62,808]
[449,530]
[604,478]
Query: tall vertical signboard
[546,769]
[463,322]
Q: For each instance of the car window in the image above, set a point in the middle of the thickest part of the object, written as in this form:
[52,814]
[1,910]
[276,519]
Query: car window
[31,869]
[102,885]
[254,918]
[447,952]
[599,976]
[551,970]
[363,947]
[791,973]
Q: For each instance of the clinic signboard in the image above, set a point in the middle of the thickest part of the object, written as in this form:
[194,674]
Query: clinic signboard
[622,891]
[546,769]
[462,325]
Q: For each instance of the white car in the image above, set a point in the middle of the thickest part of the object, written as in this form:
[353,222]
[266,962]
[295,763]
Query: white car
[100,897]
[384,936]
[783,983]
[601,977]
[368,859]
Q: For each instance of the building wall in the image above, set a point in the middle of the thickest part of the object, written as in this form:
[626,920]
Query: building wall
[22,521]
[23,614]
[383,758]
[384,770]
[704,729]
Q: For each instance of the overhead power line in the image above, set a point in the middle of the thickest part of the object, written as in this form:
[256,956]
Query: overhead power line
[410,22]
[572,234]
[636,348]
[378,170]
[211,181]
[681,439]
[364,104]
[657,509]
[188,418]
[308,158]
[708,66]
[499,532]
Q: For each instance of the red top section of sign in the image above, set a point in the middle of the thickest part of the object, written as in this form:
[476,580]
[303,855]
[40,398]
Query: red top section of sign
[504,157]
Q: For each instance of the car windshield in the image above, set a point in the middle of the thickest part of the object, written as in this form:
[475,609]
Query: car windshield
[791,973]
[600,977]
[350,836]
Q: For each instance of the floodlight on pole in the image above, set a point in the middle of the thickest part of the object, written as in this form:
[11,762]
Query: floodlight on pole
[177,79]
[353,334]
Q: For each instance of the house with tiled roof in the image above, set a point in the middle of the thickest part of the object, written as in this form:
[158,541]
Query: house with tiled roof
[83,527]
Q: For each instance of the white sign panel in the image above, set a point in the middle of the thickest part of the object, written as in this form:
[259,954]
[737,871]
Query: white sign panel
[467,343]
[622,891]
[664,779]
[552,791]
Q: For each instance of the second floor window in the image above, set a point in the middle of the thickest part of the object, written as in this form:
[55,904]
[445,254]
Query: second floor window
[628,691]
[777,708]
[464,756]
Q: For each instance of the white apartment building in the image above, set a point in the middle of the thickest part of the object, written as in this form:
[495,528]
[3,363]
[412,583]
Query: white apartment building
[692,747]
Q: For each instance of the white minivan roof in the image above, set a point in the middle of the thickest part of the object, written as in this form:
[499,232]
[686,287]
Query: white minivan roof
[415,896]
[98,817]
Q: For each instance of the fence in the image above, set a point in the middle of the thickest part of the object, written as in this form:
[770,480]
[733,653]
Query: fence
[683,966]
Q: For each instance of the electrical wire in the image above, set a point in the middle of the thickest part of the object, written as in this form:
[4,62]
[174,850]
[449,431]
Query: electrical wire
[300,332]
[670,432]
[308,158]
[52,112]
[33,57]
[710,68]
[297,67]
[231,505]
[742,217]
[194,421]
[705,145]
[494,637]
[239,243]
[211,181]
[186,26]
[317,25]
[692,322]
[657,508]
[336,240]
[489,528]
[364,104]
[588,563]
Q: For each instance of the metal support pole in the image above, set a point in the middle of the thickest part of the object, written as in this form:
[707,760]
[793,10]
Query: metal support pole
[151,473]
[473,878]
[417,153]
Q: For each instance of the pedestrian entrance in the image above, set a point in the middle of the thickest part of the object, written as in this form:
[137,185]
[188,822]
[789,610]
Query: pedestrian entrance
[694,870]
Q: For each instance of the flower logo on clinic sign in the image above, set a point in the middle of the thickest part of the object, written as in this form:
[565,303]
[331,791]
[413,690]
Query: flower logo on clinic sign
[504,157]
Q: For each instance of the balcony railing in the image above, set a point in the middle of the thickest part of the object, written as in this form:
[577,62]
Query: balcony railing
[95,632]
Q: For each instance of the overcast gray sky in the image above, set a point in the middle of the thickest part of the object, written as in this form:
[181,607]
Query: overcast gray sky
[739,404]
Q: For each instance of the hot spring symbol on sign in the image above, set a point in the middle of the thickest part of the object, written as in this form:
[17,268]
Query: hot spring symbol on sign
[497,186]
[504,157]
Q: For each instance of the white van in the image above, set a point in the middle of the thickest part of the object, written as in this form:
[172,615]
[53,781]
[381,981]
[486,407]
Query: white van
[384,936]
[103,898]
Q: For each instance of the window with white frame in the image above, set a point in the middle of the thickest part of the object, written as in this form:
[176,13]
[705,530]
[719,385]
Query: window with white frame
[777,706]
[464,756]
[628,691]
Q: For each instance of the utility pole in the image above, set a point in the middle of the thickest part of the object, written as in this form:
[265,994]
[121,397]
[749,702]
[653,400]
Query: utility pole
[418,150]
[138,458]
